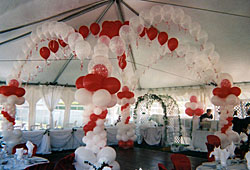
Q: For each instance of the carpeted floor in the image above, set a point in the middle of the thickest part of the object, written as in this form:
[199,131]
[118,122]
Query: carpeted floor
[146,158]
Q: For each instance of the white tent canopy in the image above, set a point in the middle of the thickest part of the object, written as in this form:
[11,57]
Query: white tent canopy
[226,22]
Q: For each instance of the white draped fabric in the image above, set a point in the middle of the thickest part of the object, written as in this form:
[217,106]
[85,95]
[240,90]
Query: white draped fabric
[51,97]
[58,140]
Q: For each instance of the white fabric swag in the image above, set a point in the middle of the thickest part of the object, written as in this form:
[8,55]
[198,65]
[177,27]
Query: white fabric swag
[51,96]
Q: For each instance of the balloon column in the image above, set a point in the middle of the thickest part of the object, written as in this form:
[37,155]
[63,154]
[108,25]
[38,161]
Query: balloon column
[97,91]
[226,97]
[195,109]
[126,131]
[11,95]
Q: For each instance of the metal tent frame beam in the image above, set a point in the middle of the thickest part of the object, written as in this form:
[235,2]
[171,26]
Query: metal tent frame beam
[72,56]
[92,7]
[121,15]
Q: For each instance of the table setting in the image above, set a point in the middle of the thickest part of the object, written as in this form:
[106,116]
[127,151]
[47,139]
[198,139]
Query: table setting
[21,159]
[225,160]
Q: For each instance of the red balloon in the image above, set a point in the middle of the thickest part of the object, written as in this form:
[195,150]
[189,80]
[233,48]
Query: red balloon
[162,38]
[53,46]
[126,23]
[111,84]
[14,83]
[45,53]
[94,28]
[143,32]
[225,83]
[93,82]
[130,143]
[125,88]
[20,92]
[122,57]
[79,82]
[121,144]
[84,31]
[172,44]
[103,114]
[93,117]
[198,112]
[189,111]
[100,69]
[62,43]
[193,99]
[224,92]
[236,91]
[216,91]
[118,25]
[122,64]
[152,33]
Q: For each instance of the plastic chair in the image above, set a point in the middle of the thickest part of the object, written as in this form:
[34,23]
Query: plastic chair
[212,142]
[181,162]
[23,145]
[161,167]
[47,166]
[66,163]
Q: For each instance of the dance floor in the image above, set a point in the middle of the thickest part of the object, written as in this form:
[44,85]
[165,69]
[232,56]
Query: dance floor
[136,158]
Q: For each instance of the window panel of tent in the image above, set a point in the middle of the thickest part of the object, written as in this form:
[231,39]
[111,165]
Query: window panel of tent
[22,116]
[75,117]
[58,114]
[42,114]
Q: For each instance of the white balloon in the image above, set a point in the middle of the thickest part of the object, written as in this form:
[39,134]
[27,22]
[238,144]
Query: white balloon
[117,45]
[82,154]
[194,29]
[101,98]
[156,13]
[82,49]
[12,99]
[97,111]
[113,101]
[20,100]
[108,153]
[136,24]
[101,49]
[104,39]
[167,12]
[83,96]
[72,39]
[100,122]
[115,165]
[178,16]
[3,98]
[146,17]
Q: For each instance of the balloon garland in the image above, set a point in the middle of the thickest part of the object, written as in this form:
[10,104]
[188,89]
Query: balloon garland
[226,97]
[126,131]
[10,96]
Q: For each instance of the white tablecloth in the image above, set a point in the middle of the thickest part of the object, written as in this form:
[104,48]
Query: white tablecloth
[57,140]
[241,166]
[20,165]
[199,138]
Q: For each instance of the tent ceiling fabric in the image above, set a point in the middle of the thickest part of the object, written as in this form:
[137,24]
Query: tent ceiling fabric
[227,23]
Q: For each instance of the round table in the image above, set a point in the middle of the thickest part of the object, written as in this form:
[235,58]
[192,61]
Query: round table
[10,163]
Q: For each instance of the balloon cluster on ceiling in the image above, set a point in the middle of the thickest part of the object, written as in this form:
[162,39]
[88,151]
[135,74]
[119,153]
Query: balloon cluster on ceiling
[10,96]
[194,108]
[226,97]
[125,130]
